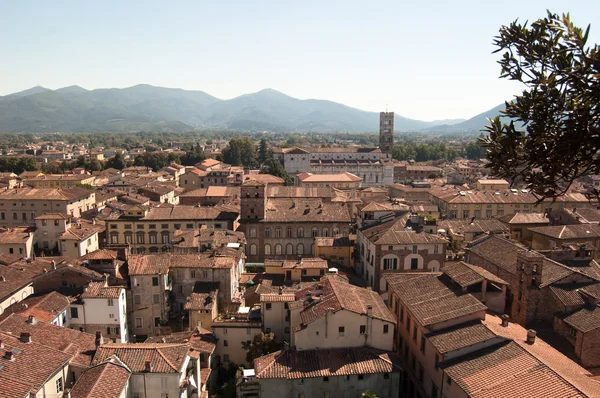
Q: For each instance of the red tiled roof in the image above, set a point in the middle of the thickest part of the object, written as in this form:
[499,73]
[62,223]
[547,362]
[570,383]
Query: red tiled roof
[507,370]
[106,380]
[34,363]
[200,340]
[566,232]
[562,366]
[305,263]
[467,274]
[305,210]
[102,254]
[160,263]
[101,290]
[164,358]
[460,336]
[17,235]
[336,295]
[431,298]
[80,346]
[292,364]
[44,307]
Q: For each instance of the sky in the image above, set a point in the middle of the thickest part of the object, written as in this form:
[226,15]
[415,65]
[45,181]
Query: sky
[424,60]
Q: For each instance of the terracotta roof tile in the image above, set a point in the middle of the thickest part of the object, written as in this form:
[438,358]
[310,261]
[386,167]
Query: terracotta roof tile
[45,194]
[460,336]
[305,210]
[304,263]
[17,235]
[567,294]
[44,307]
[332,294]
[525,218]
[78,345]
[585,320]
[292,364]
[467,274]
[566,232]
[163,358]
[106,380]
[498,251]
[562,367]
[323,178]
[431,297]
[153,264]
[101,290]
[477,226]
[34,363]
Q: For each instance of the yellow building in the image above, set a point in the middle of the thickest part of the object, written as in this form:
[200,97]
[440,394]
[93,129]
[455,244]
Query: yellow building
[466,204]
[64,181]
[152,230]
[337,250]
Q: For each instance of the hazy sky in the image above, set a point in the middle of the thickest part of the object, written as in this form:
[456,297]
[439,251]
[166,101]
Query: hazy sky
[424,59]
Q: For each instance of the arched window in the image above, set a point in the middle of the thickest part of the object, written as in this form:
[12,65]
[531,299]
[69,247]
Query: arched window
[300,249]
[153,249]
[325,232]
[24,296]
[267,250]
[289,249]
[253,250]
[278,249]
[300,233]
[315,232]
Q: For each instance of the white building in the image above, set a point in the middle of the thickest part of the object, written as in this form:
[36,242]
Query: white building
[335,314]
[102,308]
[157,370]
[328,373]
[366,163]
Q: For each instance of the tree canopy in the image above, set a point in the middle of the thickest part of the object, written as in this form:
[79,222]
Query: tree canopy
[261,344]
[553,136]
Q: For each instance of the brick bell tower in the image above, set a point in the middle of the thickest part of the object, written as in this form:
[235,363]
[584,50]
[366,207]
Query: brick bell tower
[253,200]
[386,132]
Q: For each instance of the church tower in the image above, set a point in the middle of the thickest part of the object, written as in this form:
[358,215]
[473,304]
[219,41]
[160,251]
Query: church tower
[386,132]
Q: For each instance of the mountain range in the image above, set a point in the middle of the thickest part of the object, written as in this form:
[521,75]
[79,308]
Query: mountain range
[150,108]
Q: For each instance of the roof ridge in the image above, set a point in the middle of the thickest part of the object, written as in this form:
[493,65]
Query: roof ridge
[159,350]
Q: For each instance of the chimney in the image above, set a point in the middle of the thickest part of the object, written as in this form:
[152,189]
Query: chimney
[369,310]
[505,320]
[25,337]
[1,344]
[53,264]
[531,336]
[31,320]
[148,366]
[99,339]
[9,355]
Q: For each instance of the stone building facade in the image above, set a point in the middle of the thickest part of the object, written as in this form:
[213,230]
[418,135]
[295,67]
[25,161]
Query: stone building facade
[366,163]
[386,132]
[280,228]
